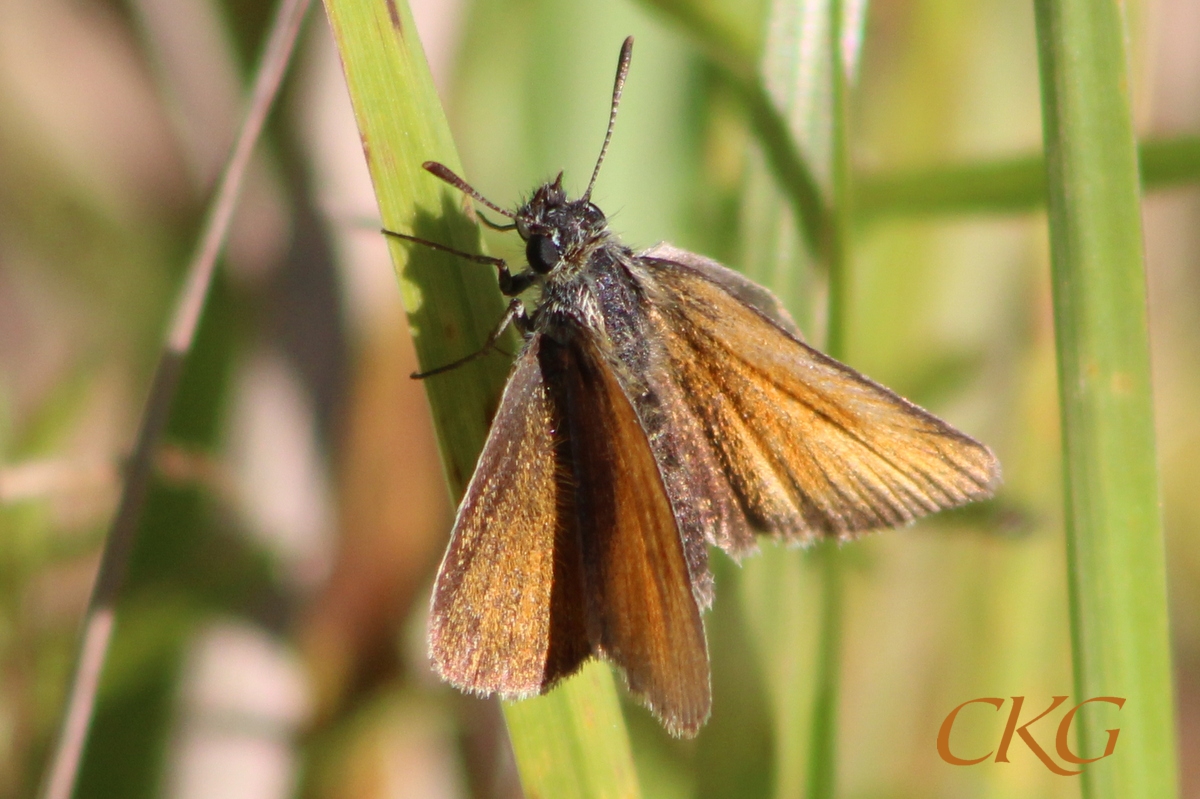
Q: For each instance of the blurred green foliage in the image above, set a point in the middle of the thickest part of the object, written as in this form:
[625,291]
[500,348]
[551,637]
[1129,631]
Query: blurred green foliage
[948,303]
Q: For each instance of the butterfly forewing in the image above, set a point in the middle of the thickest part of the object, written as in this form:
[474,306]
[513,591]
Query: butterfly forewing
[508,606]
[642,614]
[809,445]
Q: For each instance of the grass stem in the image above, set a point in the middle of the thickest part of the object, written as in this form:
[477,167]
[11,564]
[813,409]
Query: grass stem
[100,619]
[1115,558]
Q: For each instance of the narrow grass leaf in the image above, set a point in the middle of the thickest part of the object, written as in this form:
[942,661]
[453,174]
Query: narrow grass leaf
[804,72]
[1015,184]
[791,165]
[452,306]
[1114,537]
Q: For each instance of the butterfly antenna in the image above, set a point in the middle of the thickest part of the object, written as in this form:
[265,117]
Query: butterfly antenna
[618,87]
[443,172]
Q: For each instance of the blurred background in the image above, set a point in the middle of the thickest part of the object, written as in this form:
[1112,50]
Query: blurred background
[271,635]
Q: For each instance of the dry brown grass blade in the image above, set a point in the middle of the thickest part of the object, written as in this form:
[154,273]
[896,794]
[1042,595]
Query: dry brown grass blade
[100,619]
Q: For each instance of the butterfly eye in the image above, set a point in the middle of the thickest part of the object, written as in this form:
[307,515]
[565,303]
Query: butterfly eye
[542,253]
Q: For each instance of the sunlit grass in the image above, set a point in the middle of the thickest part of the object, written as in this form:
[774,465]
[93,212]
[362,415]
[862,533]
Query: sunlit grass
[1114,528]
[572,743]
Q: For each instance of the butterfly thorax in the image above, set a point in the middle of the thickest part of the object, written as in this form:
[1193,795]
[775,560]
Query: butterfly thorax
[569,243]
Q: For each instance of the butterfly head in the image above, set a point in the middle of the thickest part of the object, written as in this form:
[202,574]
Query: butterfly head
[557,229]
[561,231]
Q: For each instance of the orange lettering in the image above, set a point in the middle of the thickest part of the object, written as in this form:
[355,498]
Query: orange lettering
[1027,737]
[1064,727]
[943,738]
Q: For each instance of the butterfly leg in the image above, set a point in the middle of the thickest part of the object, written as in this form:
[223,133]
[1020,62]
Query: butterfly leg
[514,315]
[511,285]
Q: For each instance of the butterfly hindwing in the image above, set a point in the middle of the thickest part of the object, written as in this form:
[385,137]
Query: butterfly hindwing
[735,283]
[811,446]
[642,614]
[705,507]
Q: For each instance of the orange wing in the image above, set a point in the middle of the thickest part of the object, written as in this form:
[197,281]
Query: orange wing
[810,446]
[642,614]
[508,606]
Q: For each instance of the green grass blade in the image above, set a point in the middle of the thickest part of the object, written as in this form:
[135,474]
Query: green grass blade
[572,743]
[1013,184]
[1170,162]
[822,773]
[733,54]
[793,600]
[1114,537]
[1003,185]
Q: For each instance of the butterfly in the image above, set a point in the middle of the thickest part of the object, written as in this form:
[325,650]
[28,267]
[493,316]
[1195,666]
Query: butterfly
[660,403]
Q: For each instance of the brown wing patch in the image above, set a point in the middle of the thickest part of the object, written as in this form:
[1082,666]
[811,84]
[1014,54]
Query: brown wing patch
[642,615]
[508,606]
[810,445]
